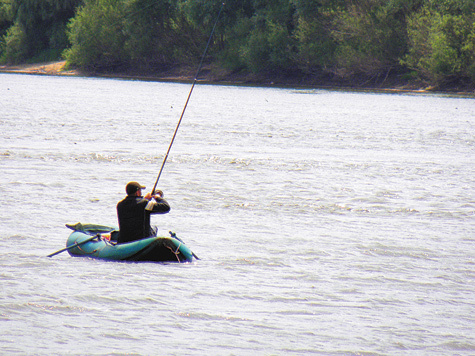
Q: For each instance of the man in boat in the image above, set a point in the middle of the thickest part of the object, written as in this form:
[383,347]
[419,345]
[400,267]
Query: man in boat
[134,213]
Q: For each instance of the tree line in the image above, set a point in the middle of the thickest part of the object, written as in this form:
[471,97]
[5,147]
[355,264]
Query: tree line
[364,40]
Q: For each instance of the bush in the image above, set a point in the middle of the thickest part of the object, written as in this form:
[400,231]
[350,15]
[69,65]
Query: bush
[315,46]
[36,28]
[15,45]
[97,36]
[370,37]
[441,46]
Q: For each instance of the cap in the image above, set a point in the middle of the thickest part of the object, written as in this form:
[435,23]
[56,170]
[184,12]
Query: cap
[132,187]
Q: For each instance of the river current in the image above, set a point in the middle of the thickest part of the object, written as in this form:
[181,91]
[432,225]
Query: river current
[326,222]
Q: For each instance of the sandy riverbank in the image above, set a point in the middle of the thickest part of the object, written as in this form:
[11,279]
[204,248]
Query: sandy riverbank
[210,75]
[49,68]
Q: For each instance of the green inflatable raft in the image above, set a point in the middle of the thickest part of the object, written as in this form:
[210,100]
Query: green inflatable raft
[97,241]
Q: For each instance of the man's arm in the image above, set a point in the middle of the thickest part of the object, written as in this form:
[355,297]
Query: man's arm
[159,206]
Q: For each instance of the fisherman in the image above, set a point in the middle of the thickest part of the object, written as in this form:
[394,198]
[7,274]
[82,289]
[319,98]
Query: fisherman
[134,213]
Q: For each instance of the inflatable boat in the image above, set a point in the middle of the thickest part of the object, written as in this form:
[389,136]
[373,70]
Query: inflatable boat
[97,241]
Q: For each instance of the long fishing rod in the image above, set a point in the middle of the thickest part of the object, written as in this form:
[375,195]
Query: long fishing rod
[187,100]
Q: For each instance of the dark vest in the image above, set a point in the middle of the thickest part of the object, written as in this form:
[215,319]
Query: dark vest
[134,220]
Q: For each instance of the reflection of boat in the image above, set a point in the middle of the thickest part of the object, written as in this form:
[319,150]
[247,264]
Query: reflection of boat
[94,241]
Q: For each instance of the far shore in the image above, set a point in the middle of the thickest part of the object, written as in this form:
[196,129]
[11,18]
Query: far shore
[210,76]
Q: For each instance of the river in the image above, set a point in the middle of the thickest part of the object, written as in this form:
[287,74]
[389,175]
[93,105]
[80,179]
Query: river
[327,222]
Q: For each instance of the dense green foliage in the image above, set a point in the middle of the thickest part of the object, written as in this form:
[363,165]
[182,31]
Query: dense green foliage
[442,43]
[32,28]
[364,40]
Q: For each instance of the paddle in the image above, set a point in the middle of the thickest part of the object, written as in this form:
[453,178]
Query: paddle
[76,244]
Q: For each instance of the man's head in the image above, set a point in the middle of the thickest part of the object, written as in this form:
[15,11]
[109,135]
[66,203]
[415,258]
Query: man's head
[133,187]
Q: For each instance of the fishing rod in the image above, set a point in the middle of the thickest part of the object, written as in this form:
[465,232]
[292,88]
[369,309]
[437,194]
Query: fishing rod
[187,100]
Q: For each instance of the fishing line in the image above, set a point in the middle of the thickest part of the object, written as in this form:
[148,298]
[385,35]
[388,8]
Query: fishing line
[187,100]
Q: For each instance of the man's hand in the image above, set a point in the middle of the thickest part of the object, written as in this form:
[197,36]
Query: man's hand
[158,194]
